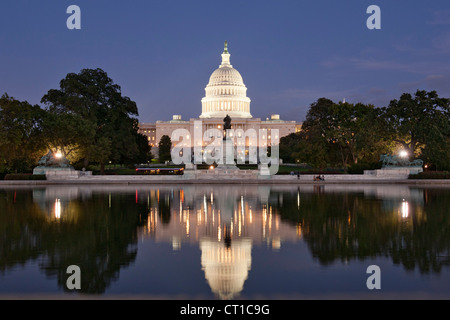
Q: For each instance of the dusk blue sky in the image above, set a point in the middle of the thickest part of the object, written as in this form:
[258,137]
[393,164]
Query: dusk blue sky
[290,53]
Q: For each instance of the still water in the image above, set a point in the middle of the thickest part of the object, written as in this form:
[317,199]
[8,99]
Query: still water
[225,242]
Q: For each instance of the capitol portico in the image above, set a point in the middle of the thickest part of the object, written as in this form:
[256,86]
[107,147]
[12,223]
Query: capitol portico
[225,94]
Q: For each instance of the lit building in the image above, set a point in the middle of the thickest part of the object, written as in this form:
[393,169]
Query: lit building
[225,94]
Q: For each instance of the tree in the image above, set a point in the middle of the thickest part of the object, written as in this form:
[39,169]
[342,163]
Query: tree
[373,139]
[66,132]
[318,118]
[419,122]
[340,134]
[20,134]
[287,145]
[104,126]
[352,129]
[145,150]
[313,147]
[164,148]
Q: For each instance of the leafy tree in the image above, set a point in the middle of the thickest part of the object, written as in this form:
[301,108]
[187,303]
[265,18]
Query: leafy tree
[419,121]
[373,139]
[310,145]
[355,129]
[437,154]
[104,123]
[20,135]
[313,147]
[67,132]
[287,145]
[337,134]
[165,145]
[145,154]
[318,118]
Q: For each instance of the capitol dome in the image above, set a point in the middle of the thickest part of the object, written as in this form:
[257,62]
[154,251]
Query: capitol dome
[226,93]
[226,75]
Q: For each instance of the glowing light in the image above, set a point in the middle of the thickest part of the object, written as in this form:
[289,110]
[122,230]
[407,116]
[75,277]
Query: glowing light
[403,154]
[58,155]
[211,168]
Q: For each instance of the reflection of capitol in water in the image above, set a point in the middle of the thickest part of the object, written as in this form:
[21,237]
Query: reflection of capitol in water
[226,267]
[198,213]
[225,223]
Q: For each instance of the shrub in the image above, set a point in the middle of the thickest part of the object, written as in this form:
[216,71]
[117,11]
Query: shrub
[24,176]
[360,167]
[431,175]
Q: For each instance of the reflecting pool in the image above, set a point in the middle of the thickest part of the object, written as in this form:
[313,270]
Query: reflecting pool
[226,241]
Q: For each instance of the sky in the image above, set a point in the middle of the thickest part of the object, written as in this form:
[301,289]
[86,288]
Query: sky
[289,52]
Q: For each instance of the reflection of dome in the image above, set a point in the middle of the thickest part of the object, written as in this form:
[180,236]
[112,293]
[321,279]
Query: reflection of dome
[226,92]
[226,268]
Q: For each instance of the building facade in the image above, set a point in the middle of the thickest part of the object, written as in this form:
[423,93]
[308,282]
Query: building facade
[225,94]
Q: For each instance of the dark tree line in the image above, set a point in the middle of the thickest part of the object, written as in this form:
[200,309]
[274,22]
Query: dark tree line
[87,119]
[90,121]
[355,135]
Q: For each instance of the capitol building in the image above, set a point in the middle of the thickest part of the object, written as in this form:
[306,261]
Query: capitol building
[225,94]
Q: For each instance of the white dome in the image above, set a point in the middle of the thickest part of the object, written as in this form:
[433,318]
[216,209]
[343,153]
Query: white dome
[226,93]
[226,76]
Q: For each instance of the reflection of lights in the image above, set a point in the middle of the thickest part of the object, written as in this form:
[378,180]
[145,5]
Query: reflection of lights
[152,221]
[299,230]
[199,217]
[187,226]
[405,209]
[249,219]
[239,226]
[58,209]
[276,243]
[176,243]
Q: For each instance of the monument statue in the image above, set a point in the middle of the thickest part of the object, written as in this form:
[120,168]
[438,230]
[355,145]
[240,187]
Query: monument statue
[226,125]
[52,162]
[393,161]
